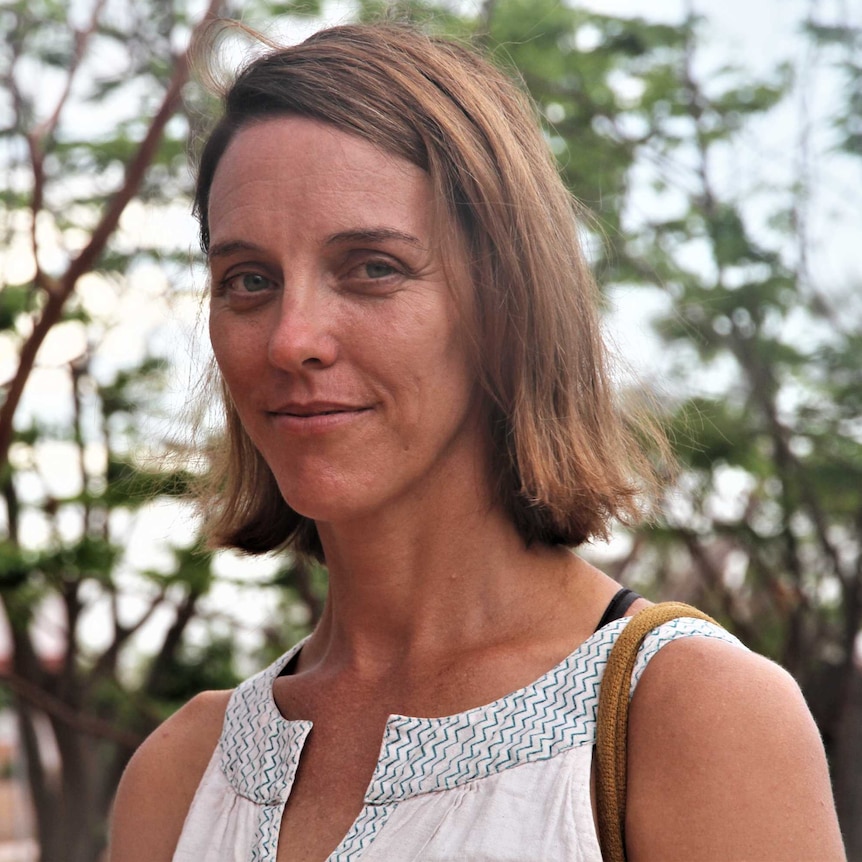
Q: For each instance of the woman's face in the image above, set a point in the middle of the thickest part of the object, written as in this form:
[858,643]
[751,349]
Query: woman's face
[333,324]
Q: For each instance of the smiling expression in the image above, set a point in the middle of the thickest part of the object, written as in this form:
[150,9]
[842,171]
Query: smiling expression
[334,325]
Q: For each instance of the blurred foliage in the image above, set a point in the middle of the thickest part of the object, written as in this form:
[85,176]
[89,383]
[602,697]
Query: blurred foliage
[763,368]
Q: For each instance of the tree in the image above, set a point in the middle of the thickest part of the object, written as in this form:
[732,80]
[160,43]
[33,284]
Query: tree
[762,377]
[766,515]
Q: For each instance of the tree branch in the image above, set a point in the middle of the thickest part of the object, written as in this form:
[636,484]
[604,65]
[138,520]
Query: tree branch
[42,791]
[89,725]
[486,17]
[108,658]
[36,163]
[715,579]
[764,387]
[46,128]
[87,258]
[172,640]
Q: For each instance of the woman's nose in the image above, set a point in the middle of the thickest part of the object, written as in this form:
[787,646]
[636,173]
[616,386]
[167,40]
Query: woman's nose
[303,333]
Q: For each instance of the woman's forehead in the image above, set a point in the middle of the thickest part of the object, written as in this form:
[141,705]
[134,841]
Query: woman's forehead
[304,169]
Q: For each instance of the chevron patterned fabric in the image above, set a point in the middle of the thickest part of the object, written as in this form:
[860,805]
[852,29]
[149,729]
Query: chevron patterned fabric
[528,752]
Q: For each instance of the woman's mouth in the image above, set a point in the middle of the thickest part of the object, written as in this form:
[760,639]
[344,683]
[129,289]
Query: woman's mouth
[315,417]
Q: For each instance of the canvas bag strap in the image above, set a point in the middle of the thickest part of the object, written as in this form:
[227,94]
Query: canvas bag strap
[612,722]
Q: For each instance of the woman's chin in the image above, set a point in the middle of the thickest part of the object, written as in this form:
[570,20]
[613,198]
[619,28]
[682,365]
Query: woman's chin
[333,508]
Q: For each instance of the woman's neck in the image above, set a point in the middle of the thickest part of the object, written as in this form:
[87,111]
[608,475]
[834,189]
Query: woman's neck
[400,598]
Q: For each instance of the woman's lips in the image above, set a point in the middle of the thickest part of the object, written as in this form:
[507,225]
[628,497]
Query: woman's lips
[316,417]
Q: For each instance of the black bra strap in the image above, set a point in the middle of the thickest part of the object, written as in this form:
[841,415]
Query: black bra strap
[617,606]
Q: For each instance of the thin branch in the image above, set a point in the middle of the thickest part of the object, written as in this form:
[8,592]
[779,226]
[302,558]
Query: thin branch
[620,568]
[70,595]
[89,725]
[48,126]
[166,655]
[763,384]
[50,315]
[37,160]
[107,659]
[40,133]
[90,254]
[13,509]
[42,790]
[764,388]
[803,167]
[486,17]
[750,634]
[806,183]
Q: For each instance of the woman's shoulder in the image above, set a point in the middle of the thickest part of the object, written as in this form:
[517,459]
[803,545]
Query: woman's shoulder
[709,680]
[189,735]
[720,735]
[707,675]
[160,780]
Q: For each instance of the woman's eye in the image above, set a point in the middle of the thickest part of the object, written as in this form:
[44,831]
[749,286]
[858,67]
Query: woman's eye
[375,276]
[247,282]
[376,272]
[378,269]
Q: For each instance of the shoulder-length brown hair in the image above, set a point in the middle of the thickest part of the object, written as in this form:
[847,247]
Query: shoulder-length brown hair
[564,459]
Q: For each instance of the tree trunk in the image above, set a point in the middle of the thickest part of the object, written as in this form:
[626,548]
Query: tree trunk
[847,767]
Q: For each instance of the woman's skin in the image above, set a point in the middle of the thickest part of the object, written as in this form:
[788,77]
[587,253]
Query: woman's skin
[336,330]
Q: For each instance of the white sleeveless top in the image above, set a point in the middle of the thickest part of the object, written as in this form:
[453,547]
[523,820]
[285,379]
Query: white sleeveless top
[505,781]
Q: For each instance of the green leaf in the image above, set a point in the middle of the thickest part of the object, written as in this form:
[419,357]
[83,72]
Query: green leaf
[15,300]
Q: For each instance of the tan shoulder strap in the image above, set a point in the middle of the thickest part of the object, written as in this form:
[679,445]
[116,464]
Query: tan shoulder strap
[612,722]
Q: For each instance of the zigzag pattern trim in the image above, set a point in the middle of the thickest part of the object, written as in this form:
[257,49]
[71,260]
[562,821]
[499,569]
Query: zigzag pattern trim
[540,721]
[361,834]
[260,749]
[268,827]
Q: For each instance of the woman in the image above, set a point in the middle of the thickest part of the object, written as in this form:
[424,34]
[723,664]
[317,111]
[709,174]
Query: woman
[415,392]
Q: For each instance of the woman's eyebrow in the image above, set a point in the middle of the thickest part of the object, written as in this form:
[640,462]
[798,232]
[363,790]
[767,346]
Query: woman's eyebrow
[225,249]
[369,235]
[373,235]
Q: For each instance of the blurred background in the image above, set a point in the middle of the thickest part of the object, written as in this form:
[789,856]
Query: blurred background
[719,149]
